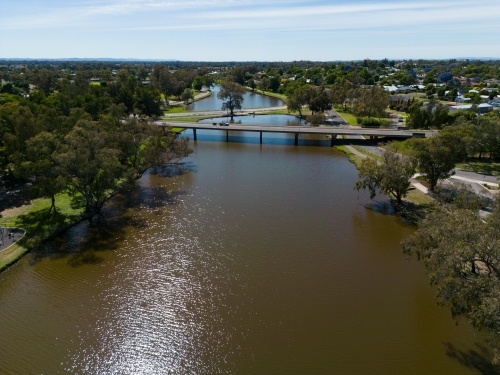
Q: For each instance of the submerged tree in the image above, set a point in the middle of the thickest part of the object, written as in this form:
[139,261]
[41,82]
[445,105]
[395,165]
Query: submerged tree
[460,253]
[96,159]
[89,163]
[391,176]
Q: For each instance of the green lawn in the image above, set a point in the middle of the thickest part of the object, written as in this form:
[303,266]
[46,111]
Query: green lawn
[402,147]
[369,154]
[184,118]
[348,117]
[268,93]
[39,223]
[176,109]
[417,197]
[485,167]
[355,159]
[277,112]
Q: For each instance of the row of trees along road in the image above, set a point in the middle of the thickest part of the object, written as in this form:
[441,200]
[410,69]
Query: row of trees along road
[370,101]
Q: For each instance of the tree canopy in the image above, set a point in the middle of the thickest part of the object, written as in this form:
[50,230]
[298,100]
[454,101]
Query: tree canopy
[232,94]
[391,176]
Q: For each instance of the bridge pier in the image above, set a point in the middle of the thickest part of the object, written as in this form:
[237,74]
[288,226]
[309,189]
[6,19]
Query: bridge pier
[332,141]
[227,135]
[194,134]
[260,137]
[296,139]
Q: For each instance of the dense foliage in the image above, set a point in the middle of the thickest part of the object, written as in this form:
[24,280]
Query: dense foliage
[84,138]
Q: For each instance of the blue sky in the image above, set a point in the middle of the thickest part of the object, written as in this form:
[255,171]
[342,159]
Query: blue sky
[244,30]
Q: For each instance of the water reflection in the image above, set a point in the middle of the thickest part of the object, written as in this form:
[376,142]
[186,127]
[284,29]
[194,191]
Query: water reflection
[262,120]
[250,100]
[247,259]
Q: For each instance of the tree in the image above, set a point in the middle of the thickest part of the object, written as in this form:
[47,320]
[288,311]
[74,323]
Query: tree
[391,176]
[232,94]
[274,84]
[251,84]
[341,92]
[198,83]
[437,157]
[297,97]
[90,165]
[319,100]
[144,145]
[39,166]
[187,95]
[371,102]
[162,79]
[316,118]
[486,136]
[44,79]
[148,101]
[264,83]
[433,115]
[460,253]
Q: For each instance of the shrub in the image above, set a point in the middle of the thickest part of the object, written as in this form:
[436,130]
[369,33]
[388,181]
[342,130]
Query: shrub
[368,122]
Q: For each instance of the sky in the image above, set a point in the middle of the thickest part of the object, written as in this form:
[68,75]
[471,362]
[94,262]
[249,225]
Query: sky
[249,30]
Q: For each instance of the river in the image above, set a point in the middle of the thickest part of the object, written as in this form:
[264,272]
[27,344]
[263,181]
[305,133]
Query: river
[247,259]
[250,100]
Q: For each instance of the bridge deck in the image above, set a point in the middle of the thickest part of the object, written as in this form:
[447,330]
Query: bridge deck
[295,129]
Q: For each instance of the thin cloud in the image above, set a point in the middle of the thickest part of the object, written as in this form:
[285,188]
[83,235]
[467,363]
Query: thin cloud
[254,15]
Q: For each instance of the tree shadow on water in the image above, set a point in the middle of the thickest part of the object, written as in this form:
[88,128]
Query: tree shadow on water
[173,170]
[478,358]
[410,212]
[149,197]
[82,243]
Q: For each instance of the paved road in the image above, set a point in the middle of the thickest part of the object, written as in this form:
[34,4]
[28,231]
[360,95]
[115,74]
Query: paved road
[477,176]
[334,119]
[326,130]
[217,113]
[9,236]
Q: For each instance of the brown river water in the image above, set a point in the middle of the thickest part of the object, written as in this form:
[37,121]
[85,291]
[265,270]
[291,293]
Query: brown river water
[247,259]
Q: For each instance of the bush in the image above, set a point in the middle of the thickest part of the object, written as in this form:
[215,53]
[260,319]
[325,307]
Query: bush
[368,122]
[316,119]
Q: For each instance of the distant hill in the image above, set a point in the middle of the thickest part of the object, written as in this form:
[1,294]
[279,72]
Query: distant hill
[81,59]
[477,58]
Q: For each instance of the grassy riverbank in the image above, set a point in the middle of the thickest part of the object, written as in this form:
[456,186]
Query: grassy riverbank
[268,93]
[355,159]
[38,223]
[183,108]
[416,197]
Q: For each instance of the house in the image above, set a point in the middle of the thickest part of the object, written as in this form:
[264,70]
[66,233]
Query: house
[461,99]
[492,80]
[391,88]
[95,79]
[481,108]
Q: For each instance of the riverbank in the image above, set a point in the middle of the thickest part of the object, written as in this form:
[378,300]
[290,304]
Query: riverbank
[268,93]
[39,224]
[416,196]
[181,107]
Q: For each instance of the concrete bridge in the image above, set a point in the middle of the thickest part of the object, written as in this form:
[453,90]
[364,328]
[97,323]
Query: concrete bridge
[296,130]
